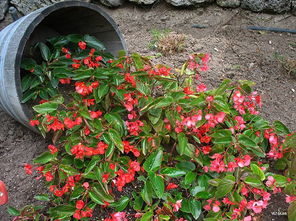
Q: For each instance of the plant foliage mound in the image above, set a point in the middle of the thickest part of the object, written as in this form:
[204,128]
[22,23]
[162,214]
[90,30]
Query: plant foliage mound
[146,142]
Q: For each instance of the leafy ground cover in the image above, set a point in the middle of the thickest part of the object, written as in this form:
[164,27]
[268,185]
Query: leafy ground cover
[195,153]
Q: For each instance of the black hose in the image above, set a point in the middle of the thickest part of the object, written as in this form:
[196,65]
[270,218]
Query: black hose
[259,28]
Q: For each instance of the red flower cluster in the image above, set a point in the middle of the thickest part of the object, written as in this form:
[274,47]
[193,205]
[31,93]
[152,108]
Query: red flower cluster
[129,101]
[134,127]
[276,150]
[70,183]
[65,80]
[70,123]
[162,71]
[81,150]
[55,124]
[95,114]
[124,178]
[119,216]
[130,79]
[243,103]
[83,89]
[34,123]
[52,149]
[130,148]
[79,213]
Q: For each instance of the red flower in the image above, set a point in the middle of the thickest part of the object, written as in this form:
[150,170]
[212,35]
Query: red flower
[48,176]
[28,169]
[112,166]
[65,80]
[89,102]
[34,123]
[76,66]
[171,186]
[65,50]
[130,79]
[56,125]
[82,45]
[99,58]
[85,185]
[101,147]
[58,193]
[187,91]
[52,149]
[95,114]
[79,204]
[77,215]
[105,178]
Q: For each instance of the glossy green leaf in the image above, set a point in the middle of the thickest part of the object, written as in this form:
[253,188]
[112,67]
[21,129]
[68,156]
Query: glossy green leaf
[157,184]
[280,128]
[182,142]
[146,193]
[47,107]
[121,204]
[44,158]
[92,42]
[115,137]
[225,186]
[172,172]
[45,51]
[42,197]
[292,211]
[61,211]
[13,211]
[103,89]
[257,170]
[69,170]
[147,216]
[153,162]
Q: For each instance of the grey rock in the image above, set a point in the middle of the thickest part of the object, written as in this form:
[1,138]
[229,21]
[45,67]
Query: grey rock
[112,3]
[27,6]
[188,2]
[3,8]
[229,3]
[293,7]
[275,6]
[278,6]
[144,2]
[253,5]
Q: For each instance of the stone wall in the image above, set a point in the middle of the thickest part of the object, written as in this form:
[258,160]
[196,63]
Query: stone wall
[273,6]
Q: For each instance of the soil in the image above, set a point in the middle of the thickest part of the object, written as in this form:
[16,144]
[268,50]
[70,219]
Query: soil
[236,53]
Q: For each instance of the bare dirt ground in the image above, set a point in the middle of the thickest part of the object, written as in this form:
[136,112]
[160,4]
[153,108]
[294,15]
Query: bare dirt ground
[236,53]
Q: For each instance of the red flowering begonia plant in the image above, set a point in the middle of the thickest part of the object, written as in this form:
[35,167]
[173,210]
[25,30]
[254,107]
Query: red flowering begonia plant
[130,135]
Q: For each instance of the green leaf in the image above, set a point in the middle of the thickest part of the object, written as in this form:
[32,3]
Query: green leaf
[26,82]
[221,105]
[138,61]
[222,136]
[146,193]
[101,191]
[47,107]
[28,95]
[143,88]
[42,197]
[44,158]
[115,137]
[121,204]
[96,198]
[195,208]
[172,172]
[223,86]
[103,89]
[292,211]
[69,170]
[197,189]
[225,186]
[164,102]
[157,184]
[280,128]
[280,180]
[182,142]
[253,181]
[94,43]
[91,164]
[61,212]
[147,216]
[186,165]
[153,162]
[12,211]
[190,177]
[45,51]
[257,170]
[246,141]
[77,192]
